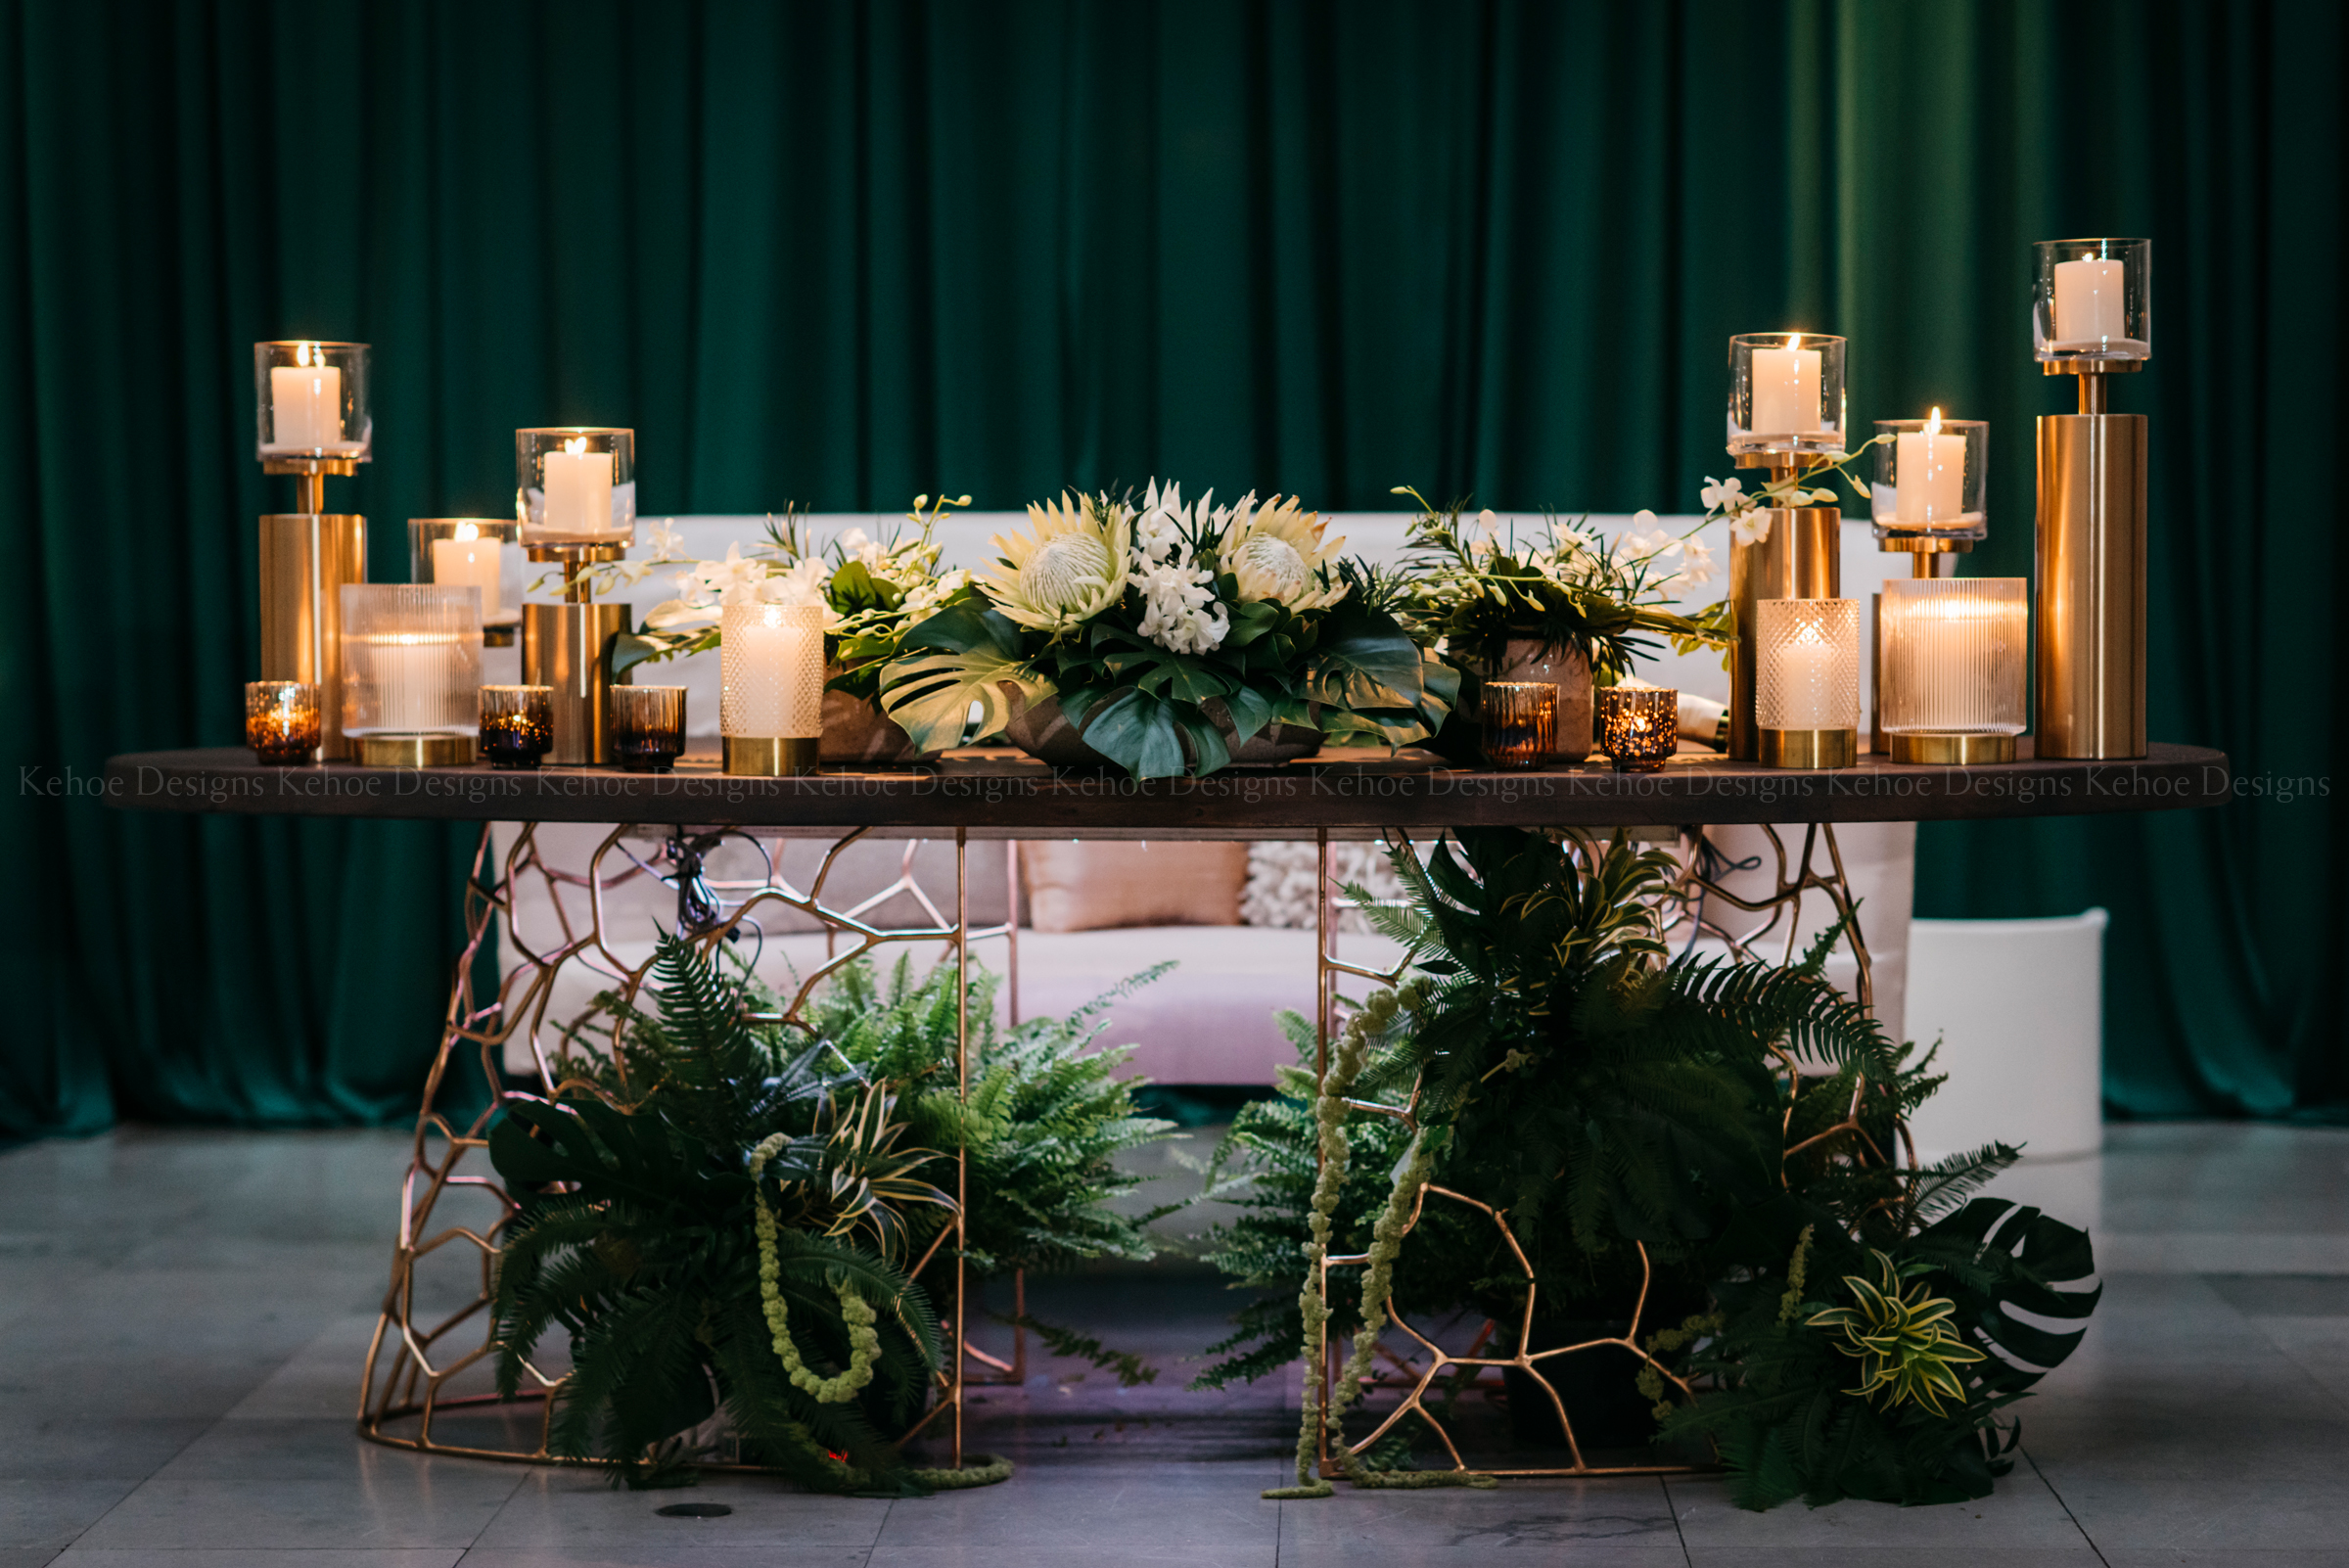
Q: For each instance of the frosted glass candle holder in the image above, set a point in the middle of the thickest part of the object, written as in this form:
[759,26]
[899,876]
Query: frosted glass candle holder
[1953,656]
[1786,393]
[1807,682]
[1517,721]
[310,401]
[576,485]
[770,708]
[411,658]
[282,721]
[484,552]
[1638,726]
[2093,301]
[1931,477]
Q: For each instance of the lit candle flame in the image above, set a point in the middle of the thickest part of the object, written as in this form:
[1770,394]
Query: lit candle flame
[466,531]
[304,352]
[1794,340]
[577,443]
[1933,425]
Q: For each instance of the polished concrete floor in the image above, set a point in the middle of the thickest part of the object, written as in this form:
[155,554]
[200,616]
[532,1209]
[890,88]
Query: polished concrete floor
[182,1316]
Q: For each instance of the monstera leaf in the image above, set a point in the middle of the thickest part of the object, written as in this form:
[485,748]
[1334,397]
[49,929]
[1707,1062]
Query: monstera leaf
[962,655]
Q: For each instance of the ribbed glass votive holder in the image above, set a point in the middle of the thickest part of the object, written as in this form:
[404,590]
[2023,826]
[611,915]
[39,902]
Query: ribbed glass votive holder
[281,722]
[518,724]
[1953,652]
[648,727]
[1638,726]
[1517,721]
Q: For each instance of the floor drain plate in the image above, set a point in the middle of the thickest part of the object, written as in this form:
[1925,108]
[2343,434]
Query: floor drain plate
[694,1510]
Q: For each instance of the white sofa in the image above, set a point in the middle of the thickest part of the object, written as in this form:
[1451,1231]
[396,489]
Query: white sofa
[1208,1022]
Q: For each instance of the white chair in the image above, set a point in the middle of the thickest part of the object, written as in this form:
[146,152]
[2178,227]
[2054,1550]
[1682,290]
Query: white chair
[2018,1008]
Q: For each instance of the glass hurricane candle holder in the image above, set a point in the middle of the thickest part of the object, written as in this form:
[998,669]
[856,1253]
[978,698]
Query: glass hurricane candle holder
[576,485]
[771,707]
[518,724]
[648,727]
[310,401]
[411,657]
[1638,726]
[1517,721]
[1786,393]
[484,551]
[1931,477]
[1952,667]
[2093,301]
[1807,682]
[282,721]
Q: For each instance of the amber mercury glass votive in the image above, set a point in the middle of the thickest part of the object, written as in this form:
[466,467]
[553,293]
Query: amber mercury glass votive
[1638,726]
[648,727]
[518,724]
[1518,722]
[281,721]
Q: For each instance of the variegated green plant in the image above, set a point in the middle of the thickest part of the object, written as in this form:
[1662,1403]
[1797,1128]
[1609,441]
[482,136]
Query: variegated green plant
[1904,1337]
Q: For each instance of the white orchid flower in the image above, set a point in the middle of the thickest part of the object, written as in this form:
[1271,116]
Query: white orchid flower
[1696,566]
[1647,540]
[676,615]
[1750,527]
[665,543]
[1720,493]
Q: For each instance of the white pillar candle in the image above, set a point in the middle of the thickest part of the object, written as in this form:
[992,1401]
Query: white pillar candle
[771,663]
[1931,470]
[2092,303]
[1785,389]
[305,407]
[467,558]
[578,490]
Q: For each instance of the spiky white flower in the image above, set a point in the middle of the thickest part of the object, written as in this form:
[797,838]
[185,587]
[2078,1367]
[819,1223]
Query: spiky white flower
[1276,551]
[1071,565]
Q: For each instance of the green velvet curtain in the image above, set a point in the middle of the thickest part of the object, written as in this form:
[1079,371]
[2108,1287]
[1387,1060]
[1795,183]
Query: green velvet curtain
[844,251]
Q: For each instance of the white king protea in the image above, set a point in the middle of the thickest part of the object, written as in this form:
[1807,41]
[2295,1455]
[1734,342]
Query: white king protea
[1276,552]
[1068,568]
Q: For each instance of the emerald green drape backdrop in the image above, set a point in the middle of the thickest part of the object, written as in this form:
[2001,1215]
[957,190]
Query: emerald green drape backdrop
[847,252]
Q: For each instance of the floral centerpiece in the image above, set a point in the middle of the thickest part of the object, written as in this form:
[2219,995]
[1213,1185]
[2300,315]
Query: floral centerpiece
[1167,635]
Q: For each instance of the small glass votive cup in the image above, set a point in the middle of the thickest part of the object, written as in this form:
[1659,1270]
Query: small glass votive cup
[1638,726]
[281,722]
[1517,721]
[1786,393]
[518,724]
[648,727]
[2092,303]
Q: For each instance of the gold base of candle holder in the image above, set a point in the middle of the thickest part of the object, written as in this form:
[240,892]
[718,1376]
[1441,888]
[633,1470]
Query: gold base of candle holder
[773,755]
[417,749]
[2091,583]
[1938,747]
[505,635]
[1799,558]
[1807,748]
[567,649]
[306,558]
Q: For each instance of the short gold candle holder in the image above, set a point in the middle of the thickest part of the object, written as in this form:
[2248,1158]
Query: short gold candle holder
[429,748]
[1638,726]
[648,727]
[773,755]
[517,725]
[282,721]
[1517,721]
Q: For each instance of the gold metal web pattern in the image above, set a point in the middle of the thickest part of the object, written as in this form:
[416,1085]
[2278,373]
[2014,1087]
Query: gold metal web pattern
[1688,911]
[422,1352]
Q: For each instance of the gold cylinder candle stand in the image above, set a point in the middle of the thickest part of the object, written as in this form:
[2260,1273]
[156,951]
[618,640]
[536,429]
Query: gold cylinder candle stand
[568,647]
[2092,579]
[307,557]
[1799,558]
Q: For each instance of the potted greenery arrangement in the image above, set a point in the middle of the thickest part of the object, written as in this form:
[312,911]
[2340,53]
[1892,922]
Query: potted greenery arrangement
[871,590]
[739,1224]
[1715,1142]
[1569,607]
[1168,638]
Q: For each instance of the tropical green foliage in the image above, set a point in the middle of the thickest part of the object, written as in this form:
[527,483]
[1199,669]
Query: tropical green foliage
[636,1238]
[1164,677]
[1732,1120]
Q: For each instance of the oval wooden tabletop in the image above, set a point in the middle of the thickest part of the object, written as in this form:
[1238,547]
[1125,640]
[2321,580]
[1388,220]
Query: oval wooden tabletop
[999,795]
